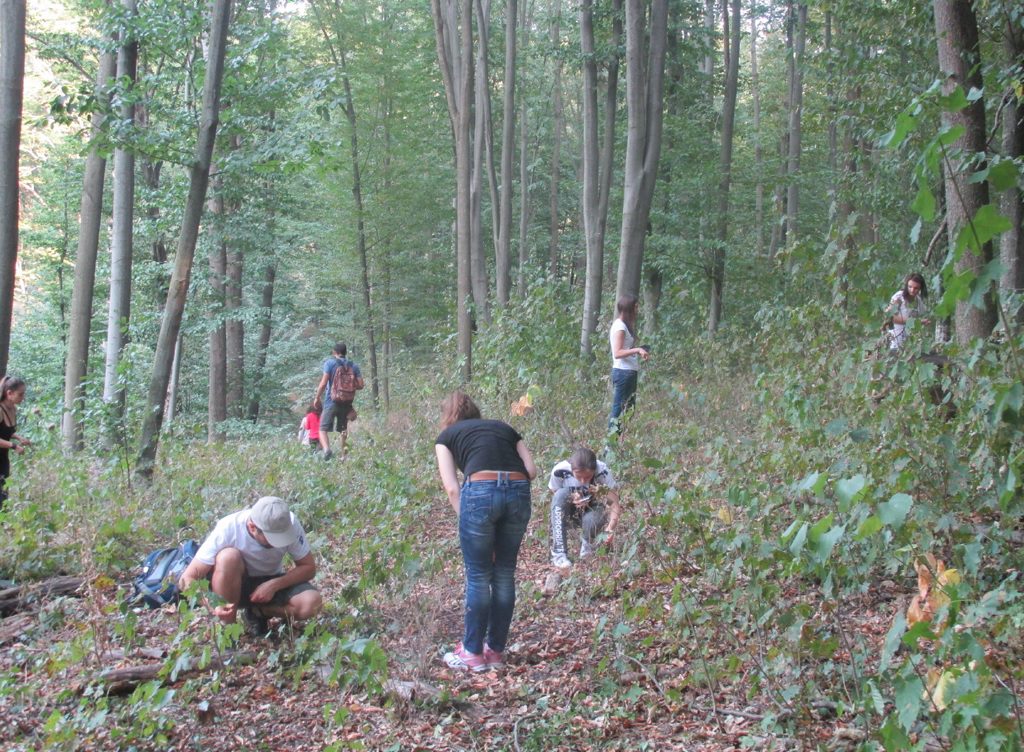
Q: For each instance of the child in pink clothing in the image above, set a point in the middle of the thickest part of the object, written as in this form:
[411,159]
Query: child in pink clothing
[311,426]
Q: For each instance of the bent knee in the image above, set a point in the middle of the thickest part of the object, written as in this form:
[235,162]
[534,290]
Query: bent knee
[306,605]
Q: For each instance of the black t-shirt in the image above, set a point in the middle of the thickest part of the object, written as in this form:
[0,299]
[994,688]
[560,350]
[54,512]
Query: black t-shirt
[479,444]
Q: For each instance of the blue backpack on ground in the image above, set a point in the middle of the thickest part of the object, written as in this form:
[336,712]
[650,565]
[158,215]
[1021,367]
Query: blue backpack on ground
[157,585]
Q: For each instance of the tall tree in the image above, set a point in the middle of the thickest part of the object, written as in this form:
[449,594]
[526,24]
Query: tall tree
[597,162]
[732,74]
[645,33]
[177,293]
[558,128]
[216,400]
[956,27]
[1011,243]
[795,130]
[123,215]
[89,215]
[503,250]
[755,96]
[453,30]
[482,149]
[526,20]
[12,73]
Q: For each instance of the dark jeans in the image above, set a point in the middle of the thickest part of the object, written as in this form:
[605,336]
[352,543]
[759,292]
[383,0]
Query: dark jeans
[565,514]
[623,396]
[493,515]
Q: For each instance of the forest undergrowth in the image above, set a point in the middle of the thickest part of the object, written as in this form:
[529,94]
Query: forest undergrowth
[780,487]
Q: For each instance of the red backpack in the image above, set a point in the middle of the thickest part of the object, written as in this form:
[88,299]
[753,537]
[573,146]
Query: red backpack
[343,382]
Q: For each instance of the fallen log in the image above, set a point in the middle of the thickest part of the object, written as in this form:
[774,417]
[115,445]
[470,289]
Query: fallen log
[14,599]
[13,626]
[121,681]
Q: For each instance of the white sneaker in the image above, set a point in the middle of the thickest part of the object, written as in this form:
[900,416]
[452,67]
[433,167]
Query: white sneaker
[561,561]
[587,549]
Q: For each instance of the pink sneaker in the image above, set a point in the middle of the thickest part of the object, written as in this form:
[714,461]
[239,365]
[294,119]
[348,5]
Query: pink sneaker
[463,660]
[493,658]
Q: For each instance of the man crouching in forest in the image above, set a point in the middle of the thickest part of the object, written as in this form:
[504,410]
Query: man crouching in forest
[243,559]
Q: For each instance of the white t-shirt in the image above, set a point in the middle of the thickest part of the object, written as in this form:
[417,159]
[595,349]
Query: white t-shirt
[630,362]
[900,306]
[230,532]
[562,477]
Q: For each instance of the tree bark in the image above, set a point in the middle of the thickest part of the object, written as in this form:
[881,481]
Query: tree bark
[234,326]
[524,165]
[89,218]
[956,27]
[558,127]
[121,240]
[481,146]
[1011,242]
[455,56]
[266,321]
[597,164]
[12,74]
[755,94]
[177,293]
[644,85]
[732,73]
[796,99]
[503,250]
[216,403]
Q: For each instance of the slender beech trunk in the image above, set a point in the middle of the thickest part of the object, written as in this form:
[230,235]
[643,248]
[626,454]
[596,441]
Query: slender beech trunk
[478,259]
[796,98]
[234,326]
[455,56]
[177,293]
[89,217]
[732,73]
[266,322]
[524,163]
[1011,242]
[956,27]
[121,242]
[216,403]
[778,236]
[558,127]
[755,94]
[597,164]
[644,86]
[503,250]
[12,74]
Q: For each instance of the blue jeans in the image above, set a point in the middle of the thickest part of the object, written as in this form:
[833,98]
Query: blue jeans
[493,515]
[623,395]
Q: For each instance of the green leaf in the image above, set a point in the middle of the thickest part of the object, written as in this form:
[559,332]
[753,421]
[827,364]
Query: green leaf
[908,700]
[797,545]
[1009,399]
[990,273]
[1003,174]
[950,135]
[905,125]
[984,225]
[849,490]
[894,511]
[955,101]
[810,483]
[924,202]
[893,638]
[826,542]
[868,527]
[957,288]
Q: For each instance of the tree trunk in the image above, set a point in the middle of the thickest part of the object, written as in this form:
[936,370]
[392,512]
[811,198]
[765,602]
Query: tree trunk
[524,166]
[732,74]
[171,403]
[956,27]
[796,99]
[778,235]
[121,241]
[266,321]
[503,251]
[177,293]
[755,93]
[455,56]
[216,402]
[12,74]
[1011,242]
[89,218]
[234,326]
[597,165]
[481,116]
[644,82]
[558,127]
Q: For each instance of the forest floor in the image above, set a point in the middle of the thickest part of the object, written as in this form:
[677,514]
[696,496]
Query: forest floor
[567,684]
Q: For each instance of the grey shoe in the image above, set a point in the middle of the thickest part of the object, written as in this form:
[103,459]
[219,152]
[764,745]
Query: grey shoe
[328,454]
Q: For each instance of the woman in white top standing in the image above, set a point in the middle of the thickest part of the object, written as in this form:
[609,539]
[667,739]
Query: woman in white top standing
[625,358]
[907,303]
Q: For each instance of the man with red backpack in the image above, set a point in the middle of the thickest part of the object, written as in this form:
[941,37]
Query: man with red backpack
[339,383]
